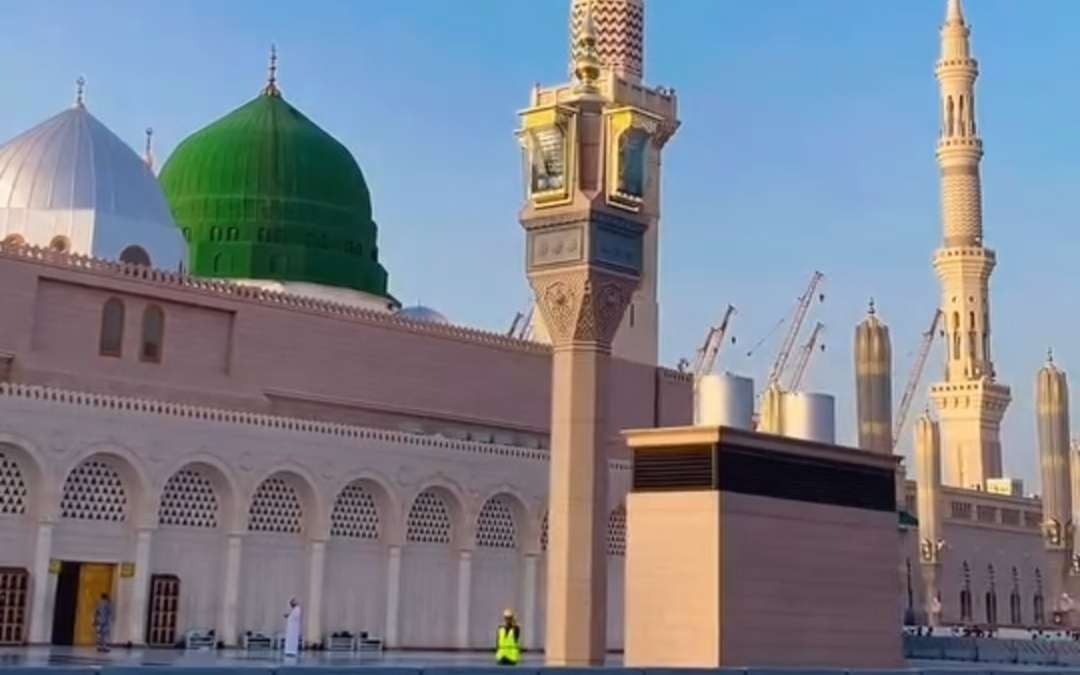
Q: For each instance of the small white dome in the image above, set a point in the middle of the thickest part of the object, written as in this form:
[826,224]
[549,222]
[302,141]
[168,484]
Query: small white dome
[71,179]
[422,314]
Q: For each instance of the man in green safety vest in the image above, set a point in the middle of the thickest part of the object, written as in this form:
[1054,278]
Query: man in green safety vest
[508,641]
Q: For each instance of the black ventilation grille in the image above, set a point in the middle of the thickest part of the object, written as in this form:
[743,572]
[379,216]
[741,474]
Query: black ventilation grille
[674,469]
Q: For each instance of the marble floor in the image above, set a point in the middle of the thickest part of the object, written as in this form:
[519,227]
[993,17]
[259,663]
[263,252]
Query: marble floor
[88,656]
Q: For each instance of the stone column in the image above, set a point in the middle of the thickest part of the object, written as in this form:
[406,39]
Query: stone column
[140,591]
[43,586]
[528,608]
[464,598]
[931,543]
[393,595]
[228,630]
[313,611]
[582,309]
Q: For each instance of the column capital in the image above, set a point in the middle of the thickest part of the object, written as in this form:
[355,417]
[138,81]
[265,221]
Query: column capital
[582,305]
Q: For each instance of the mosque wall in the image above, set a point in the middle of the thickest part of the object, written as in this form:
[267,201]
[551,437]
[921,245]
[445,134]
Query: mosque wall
[247,349]
[317,511]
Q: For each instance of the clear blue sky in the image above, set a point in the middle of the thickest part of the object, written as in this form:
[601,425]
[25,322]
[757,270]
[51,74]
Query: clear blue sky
[807,142]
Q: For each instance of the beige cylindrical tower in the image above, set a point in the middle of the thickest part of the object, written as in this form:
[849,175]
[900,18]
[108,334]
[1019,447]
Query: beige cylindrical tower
[970,402]
[1074,492]
[1052,423]
[928,498]
[620,34]
[873,383]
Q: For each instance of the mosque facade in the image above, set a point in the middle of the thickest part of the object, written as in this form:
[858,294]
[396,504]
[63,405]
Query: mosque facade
[211,402]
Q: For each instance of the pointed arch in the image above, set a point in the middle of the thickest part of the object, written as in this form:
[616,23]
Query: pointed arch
[111,339]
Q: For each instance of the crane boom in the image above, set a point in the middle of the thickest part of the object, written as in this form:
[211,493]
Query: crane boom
[916,375]
[805,353]
[784,355]
[714,340]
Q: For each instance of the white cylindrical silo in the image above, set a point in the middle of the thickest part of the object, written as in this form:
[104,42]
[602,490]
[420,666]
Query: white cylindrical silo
[811,417]
[724,400]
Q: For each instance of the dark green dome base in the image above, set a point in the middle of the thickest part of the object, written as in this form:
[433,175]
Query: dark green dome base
[264,193]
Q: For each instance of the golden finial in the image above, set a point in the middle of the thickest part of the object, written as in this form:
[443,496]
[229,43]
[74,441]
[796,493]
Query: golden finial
[80,92]
[587,65]
[1050,355]
[871,311]
[148,157]
[271,82]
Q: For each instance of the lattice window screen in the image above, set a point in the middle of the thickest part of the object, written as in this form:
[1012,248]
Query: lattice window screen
[544,533]
[276,508]
[429,520]
[495,527]
[189,501]
[355,515]
[13,492]
[93,491]
[616,535]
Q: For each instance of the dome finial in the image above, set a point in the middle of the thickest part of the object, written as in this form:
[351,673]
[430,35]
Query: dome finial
[80,92]
[871,310]
[587,64]
[1050,355]
[148,155]
[271,81]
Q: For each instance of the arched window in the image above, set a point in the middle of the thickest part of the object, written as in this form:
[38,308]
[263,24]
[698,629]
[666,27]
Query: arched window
[232,234]
[960,118]
[153,334]
[965,595]
[1015,617]
[112,328]
[956,335]
[1039,604]
[949,124]
[135,255]
[220,263]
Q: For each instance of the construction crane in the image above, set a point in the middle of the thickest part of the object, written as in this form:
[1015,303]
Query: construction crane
[521,327]
[916,375]
[805,353]
[706,354]
[803,306]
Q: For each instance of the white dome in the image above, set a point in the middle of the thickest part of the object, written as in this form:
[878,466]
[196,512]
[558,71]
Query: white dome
[422,314]
[72,178]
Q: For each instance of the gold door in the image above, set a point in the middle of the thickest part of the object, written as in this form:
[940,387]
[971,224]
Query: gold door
[94,579]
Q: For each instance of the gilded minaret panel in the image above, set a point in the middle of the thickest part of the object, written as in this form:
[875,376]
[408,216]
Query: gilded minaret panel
[1052,424]
[632,111]
[873,383]
[970,403]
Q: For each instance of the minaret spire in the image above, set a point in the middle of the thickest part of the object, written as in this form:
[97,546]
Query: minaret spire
[271,80]
[80,92]
[148,155]
[970,446]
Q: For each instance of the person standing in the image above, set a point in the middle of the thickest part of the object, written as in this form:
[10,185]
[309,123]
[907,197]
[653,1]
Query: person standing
[508,641]
[292,628]
[103,616]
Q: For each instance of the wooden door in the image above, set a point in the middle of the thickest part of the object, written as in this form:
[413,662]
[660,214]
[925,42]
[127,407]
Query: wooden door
[95,579]
[164,606]
[14,591]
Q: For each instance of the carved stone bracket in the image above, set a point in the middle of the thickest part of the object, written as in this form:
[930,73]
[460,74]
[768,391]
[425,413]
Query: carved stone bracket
[582,305]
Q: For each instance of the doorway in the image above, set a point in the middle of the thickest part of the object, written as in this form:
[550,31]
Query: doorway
[79,587]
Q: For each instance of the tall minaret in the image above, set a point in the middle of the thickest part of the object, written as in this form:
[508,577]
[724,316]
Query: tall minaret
[873,383]
[617,28]
[970,403]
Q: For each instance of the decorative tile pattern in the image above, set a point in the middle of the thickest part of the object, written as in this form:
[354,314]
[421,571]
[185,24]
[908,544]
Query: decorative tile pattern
[355,515]
[495,527]
[189,501]
[616,534]
[429,520]
[620,33]
[94,491]
[276,508]
[13,491]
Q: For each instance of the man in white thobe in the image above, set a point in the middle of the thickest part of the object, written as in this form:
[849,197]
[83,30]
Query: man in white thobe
[292,629]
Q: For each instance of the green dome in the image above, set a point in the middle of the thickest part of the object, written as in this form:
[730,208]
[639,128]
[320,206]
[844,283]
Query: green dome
[264,193]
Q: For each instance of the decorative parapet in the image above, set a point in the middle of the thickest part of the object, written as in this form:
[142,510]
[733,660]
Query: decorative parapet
[986,509]
[256,295]
[122,404]
[675,375]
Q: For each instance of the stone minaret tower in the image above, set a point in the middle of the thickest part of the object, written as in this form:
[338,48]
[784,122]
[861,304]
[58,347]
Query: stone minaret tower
[928,495]
[1052,423]
[970,403]
[592,150]
[873,383]
[618,28]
